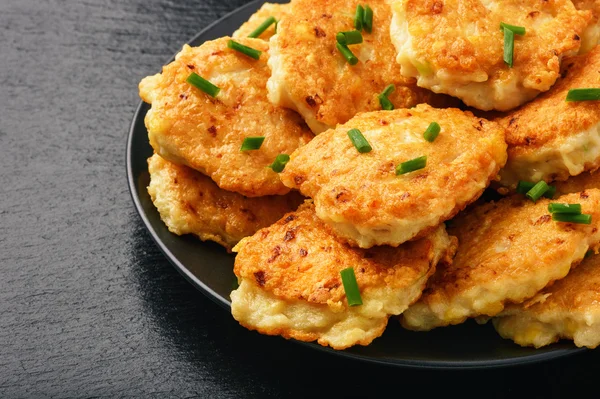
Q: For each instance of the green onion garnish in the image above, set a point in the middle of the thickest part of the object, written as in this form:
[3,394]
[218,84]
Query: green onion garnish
[350,37]
[384,101]
[359,141]
[564,208]
[249,51]
[517,30]
[199,82]
[583,95]
[262,27]
[412,165]
[589,253]
[571,218]
[252,143]
[524,186]
[351,287]
[279,163]
[509,46]
[368,19]
[432,132]
[347,53]
[359,17]
[537,191]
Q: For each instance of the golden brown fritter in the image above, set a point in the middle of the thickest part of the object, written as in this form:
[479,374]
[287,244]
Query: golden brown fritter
[366,203]
[187,126]
[191,203]
[311,76]
[570,308]
[581,182]
[550,138]
[290,283]
[456,47]
[591,35]
[508,251]
[265,11]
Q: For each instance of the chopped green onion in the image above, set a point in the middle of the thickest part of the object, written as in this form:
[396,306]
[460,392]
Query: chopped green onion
[432,131]
[359,141]
[279,163]
[252,143]
[412,165]
[351,287]
[350,37]
[524,186]
[368,19]
[589,253]
[537,191]
[276,25]
[384,101]
[249,51]
[199,82]
[517,30]
[564,208]
[262,27]
[359,17]
[347,53]
[509,46]
[571,218]
[583,95]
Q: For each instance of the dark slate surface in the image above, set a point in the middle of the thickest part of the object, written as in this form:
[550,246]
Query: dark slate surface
[88,306]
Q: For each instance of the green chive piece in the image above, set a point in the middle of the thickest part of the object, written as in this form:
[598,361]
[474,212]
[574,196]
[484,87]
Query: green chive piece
[537,191]
[384,101]
[589,253]
[199,82]
[252,143]
[412,165]
[564,208]
[359,141]
[349,37]
[509,46]
[517,30]
[583,95]
[249,51]
[359,17]
[347,53]
[571,218]
[276,25]
[279,163]
[262,27]
[368,19]
[389,89]
[351,287]
[432,131]
[524,186]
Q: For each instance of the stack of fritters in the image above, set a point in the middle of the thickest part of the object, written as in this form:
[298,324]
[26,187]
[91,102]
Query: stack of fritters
[335,203]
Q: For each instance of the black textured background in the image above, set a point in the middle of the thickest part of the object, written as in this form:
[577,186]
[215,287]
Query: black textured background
[88,305]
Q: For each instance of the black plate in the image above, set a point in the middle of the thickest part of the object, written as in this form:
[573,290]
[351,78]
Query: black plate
[209,268]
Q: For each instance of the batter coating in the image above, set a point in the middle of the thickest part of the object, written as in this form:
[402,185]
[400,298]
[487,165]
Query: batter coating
[456,47]
[312,77]
[568,309]
[550,138]
[189,127]
[290,284]
[591,35]
[508,251]
[359,194]
[191,203]
[265,11]
[581,182]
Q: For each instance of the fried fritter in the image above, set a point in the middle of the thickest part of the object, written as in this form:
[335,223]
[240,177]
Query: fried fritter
[359,194]
[191,203]
[550,138]
[570,309]
[290,283]
[187,126]
[508,251]
[311,76]
[265,11]
[591,36]
[581,182]
[456,47]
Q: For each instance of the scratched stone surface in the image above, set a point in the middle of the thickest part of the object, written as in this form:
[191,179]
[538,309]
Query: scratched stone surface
[89,307]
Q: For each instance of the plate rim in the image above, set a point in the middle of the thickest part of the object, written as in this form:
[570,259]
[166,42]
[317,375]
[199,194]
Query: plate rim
[225,304]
